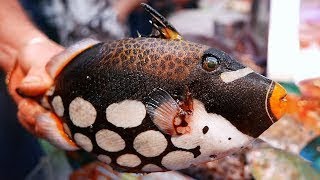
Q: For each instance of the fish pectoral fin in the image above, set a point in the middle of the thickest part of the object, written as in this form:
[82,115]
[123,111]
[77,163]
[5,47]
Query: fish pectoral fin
[166,113]
[50,128]
[161,26]
[162,109]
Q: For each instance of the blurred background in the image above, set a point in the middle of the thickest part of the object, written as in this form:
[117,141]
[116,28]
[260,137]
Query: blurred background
[279,39]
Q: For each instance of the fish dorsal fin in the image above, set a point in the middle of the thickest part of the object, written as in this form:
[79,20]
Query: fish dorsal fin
[167,114]
[162,28]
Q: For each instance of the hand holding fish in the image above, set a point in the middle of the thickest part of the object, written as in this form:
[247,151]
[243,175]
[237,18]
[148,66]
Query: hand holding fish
[24,53]
[29,77]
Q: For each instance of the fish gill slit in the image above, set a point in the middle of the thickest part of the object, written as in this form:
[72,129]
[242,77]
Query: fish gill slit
[266,103]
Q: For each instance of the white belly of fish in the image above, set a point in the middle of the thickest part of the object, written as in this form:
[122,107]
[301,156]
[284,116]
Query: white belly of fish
[220,138]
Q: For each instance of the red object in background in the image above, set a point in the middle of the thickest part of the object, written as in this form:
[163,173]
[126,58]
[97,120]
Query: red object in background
[306,108]
[310,88]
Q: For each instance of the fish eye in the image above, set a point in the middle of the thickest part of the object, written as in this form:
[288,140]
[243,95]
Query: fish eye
[210,62]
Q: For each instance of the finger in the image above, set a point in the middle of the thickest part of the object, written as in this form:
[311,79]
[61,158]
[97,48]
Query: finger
[36,83]
[33,59]
[49,126]
[14,78]
[40,73]
[38,53]
[44,124]
[27,110]
[25,123]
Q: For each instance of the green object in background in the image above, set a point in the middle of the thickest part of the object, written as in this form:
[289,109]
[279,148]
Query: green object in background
[269,163]
[291,88]
[54,165]
[311,152]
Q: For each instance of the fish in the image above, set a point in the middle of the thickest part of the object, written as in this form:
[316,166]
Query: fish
[156,103]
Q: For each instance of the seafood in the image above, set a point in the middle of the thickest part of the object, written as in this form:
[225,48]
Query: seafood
[157,103]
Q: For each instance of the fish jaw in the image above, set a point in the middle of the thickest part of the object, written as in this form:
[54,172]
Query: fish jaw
[276,102]
[214,134]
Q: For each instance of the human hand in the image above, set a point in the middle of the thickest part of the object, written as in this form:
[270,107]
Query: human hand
[29,78]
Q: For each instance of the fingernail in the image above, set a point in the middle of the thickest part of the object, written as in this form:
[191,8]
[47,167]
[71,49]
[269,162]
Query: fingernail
[31,79]
[21,93]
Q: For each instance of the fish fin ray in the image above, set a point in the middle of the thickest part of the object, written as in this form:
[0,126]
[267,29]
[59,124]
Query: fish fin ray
[50,127]
[162,109]
[161,25]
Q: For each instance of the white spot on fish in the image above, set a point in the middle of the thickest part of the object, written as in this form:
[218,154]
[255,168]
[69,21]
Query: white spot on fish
[151,168]
[104,158]
[230,76]
[57,105]
[67,129]
[83,141]
[126,114]
[150,143]
[109,140]
[177,160]
[128,160]
[82,113]
[216,140]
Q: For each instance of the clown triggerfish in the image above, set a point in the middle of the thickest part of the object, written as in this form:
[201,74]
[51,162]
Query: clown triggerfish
[159,103]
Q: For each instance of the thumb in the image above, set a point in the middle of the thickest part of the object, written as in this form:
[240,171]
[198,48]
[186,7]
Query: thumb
[33,59]
[35,83]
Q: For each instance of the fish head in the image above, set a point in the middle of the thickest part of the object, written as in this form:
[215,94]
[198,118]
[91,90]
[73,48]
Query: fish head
[248,100]
[220,106]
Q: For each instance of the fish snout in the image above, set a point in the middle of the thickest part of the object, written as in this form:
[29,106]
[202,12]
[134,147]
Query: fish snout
[277,100]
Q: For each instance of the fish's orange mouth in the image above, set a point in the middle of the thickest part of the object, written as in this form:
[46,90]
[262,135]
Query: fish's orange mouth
[277,102]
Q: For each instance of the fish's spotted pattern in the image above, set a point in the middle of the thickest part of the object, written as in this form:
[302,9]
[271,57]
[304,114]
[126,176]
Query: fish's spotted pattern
[126,114]
[109,140]
[138,54]
[151,168]
[108,86]
[57,105]
[150,143]
[128,160]
[82,113]
[104,158]
[177,160]
[83,141]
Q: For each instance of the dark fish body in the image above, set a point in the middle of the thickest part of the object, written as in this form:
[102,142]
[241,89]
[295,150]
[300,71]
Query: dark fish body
[118,99]
[155,103]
